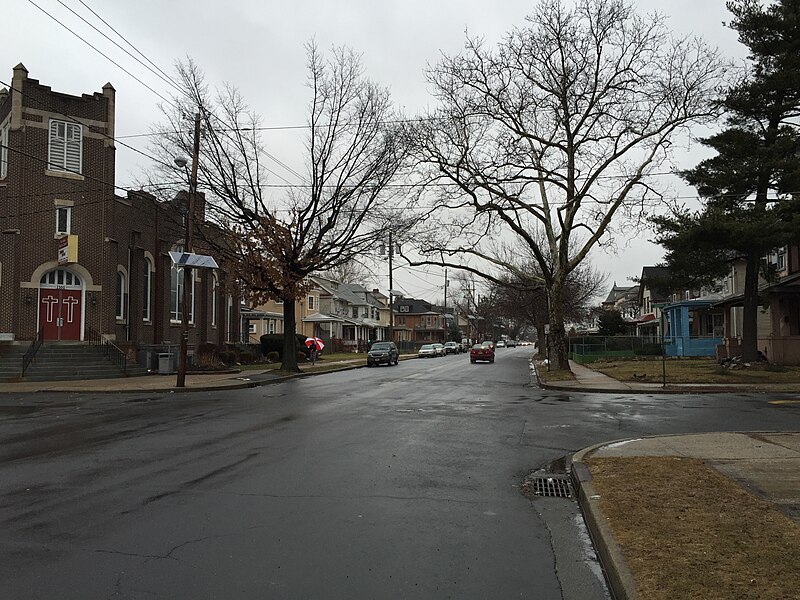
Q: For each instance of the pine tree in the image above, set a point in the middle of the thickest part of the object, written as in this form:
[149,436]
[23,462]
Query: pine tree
[750,187]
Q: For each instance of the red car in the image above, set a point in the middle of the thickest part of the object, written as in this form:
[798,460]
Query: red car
[481,352]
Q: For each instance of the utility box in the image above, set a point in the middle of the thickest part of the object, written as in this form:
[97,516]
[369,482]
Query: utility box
[164,363]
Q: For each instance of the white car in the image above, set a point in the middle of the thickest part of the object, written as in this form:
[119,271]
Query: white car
[440,351]
[500,344]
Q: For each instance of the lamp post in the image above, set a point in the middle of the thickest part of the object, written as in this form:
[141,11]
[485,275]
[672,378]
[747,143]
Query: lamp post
[181,162]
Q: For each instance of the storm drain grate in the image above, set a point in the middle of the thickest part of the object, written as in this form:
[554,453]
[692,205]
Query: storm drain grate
[551,487]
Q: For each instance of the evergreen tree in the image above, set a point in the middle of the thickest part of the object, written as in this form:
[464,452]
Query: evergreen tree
[749,188]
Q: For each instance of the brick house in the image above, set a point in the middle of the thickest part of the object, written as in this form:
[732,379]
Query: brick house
[73,254]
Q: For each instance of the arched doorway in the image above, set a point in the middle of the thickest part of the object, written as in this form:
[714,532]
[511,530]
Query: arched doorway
[61,305]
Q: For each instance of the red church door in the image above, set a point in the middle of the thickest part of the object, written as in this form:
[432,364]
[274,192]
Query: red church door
[60,309]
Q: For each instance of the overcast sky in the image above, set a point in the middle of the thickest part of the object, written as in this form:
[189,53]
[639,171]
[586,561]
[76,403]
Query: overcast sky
[259,47]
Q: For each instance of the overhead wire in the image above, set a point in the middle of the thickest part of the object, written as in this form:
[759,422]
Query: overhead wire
[165,79]
[101,53]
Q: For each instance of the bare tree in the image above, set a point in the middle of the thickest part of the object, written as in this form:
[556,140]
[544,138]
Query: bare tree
[334,214]
[558,130]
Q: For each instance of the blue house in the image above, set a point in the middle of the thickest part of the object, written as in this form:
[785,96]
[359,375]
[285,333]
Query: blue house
[694,327]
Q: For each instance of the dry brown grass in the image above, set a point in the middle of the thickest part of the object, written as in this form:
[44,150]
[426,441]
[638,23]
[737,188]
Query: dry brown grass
[692,370]
[687,531]
[546,376]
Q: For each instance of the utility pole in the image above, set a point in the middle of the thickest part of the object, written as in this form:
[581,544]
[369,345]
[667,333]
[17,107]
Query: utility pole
[391,289]
[187,272]
[445,304]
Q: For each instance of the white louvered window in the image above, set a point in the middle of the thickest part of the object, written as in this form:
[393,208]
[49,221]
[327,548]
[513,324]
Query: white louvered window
[4,148]
[65,151]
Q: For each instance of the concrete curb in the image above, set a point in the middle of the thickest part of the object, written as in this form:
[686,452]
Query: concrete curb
[207,388]
[619,577]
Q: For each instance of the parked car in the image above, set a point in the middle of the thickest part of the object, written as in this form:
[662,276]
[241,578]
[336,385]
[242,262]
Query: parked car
[439,349]
[512,343]
[383,353]
[500,344]
[426,351]
[481,352]
[452,348]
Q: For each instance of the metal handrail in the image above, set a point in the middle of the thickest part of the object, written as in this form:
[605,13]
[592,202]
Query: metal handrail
[30,354]
[106,348]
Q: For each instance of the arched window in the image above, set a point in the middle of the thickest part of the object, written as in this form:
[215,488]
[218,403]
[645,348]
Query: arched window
[120,303]
[147,281]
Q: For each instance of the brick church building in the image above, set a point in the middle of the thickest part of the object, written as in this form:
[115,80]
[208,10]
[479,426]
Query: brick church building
[76,257]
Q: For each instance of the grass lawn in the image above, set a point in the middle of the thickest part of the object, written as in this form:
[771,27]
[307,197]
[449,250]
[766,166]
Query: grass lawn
[693,370]
[687,531]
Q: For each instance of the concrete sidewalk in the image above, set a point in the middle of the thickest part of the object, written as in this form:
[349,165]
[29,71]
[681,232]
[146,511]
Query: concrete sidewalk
[166,383]
[765,464]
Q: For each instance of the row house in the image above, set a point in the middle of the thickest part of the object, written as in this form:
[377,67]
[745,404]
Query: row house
[75,257]
[708,322]
[419,322]
[345,316]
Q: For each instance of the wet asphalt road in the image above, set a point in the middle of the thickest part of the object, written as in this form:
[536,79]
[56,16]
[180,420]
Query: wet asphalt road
[396,482]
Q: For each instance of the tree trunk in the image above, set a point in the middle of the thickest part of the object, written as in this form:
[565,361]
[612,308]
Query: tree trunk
[750,312]
[289,338]
[557,337]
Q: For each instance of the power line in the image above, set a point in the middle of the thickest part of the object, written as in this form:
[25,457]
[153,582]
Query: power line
[127,42]
[77,122]
[101,53]
[166,80]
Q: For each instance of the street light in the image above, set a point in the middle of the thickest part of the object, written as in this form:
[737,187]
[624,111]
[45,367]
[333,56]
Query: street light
[181,162]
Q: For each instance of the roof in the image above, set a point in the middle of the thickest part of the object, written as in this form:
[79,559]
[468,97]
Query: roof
[618,292]
[653,279]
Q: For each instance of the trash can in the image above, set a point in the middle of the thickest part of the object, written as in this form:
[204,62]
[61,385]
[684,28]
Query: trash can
[164,363]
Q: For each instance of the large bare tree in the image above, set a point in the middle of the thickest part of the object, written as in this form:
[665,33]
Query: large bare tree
[552,137]
[335,212]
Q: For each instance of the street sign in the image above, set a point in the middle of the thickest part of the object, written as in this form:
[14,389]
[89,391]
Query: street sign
[194,261]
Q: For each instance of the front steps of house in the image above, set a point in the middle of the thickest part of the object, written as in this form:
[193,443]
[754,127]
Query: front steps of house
[61,361]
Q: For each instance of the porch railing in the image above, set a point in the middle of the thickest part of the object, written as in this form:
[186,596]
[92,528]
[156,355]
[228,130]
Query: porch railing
[103,346]
[28,357]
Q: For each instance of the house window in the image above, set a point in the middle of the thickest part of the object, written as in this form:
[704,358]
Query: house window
[65,151]
[272,326]
[355,312]
[63,219]
[4,148]
[146,286]
[214,293]
[176,293]
[252,328]
[311,303]
[120,298]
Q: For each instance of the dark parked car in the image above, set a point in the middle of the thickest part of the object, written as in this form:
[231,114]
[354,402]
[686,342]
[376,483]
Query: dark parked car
[383,353]
[481,352]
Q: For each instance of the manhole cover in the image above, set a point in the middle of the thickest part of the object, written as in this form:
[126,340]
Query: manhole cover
[548,486]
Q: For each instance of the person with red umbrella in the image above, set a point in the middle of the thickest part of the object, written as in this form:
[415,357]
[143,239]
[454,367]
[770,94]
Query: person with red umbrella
[314,344]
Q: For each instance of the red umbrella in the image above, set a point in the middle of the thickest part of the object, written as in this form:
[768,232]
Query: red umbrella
[315,341]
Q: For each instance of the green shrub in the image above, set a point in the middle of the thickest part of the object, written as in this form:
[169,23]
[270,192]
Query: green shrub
[273,357]
[228,357]
[301,356]
[273,342]
[207,348]
[246,358]
[649,350]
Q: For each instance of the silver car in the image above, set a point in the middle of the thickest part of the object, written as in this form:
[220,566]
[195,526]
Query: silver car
[427,351]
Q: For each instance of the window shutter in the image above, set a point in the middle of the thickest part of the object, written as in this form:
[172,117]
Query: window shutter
[73,148]
[58,146]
